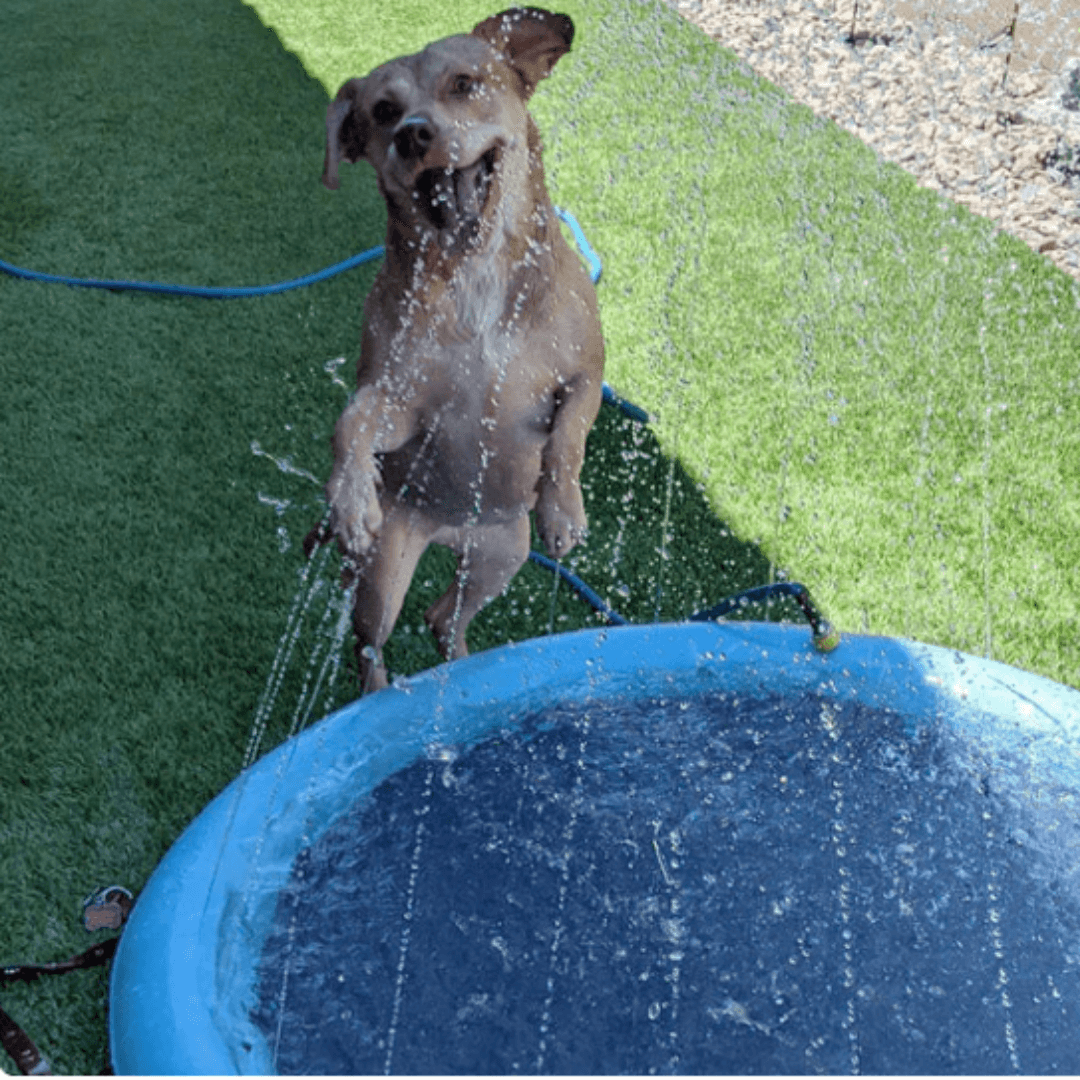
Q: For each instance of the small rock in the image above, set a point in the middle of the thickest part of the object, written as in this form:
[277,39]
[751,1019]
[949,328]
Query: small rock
[1024,85]
[928,129]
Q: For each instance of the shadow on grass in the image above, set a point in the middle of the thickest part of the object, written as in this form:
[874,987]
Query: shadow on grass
[656,552]
[151,557]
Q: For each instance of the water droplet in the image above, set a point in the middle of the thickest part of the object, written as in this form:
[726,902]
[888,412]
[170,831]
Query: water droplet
[441,752]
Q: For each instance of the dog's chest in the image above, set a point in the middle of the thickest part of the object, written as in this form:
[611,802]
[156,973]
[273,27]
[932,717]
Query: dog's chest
[484,406]
[501,378]
[475,305]
[480,342]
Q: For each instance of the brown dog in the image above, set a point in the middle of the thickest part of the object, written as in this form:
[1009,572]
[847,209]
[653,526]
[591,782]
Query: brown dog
[481,361]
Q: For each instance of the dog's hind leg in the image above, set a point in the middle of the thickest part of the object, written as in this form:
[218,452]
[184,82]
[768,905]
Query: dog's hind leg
[381,582]
[488,558]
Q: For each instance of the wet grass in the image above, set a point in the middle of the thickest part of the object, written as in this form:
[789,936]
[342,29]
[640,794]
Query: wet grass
[856,385]
[872,384]
[143,589]
[151,557]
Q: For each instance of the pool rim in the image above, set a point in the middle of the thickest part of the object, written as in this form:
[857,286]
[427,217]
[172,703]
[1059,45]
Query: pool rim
[176,1003]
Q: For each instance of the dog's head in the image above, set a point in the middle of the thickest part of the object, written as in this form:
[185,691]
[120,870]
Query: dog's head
[441,127]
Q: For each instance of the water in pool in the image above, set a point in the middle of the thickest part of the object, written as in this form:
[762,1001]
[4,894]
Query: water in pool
[713,885]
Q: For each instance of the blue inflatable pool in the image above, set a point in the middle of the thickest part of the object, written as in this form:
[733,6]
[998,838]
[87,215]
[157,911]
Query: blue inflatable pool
[682,848]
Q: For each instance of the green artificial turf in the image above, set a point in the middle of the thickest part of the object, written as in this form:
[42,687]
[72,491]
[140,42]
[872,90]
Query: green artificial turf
[875,386]
[856,384]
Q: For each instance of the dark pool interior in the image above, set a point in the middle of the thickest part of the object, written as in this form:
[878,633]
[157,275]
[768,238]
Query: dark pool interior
[704,885]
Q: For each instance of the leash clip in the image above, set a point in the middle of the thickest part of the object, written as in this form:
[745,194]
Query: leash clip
[107,908]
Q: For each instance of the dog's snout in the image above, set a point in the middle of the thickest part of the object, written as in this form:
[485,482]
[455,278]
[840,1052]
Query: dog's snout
[413,137]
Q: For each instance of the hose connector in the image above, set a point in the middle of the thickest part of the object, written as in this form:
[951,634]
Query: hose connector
[823,634]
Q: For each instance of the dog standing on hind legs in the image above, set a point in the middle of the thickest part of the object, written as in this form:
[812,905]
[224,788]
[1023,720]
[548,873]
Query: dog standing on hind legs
[481,359]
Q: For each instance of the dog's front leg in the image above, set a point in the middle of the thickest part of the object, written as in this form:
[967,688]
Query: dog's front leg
[560,510]
[371,424]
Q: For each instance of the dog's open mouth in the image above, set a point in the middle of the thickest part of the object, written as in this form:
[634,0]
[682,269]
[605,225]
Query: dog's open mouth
[452,198]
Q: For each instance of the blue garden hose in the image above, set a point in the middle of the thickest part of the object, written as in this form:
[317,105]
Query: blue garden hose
[204,291]
[824,636]
[207,292]
[214,293]
[594,599]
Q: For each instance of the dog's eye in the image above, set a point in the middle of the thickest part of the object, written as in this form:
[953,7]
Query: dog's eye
[386,112]
[465,84]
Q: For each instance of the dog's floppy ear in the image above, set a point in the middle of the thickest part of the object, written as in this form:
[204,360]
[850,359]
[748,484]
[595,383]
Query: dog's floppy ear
[346,131]
[530,40]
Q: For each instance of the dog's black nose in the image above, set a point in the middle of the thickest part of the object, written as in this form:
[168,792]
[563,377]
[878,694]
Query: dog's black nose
[413,136]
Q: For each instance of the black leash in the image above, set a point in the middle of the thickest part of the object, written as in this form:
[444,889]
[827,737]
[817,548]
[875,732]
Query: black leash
[19,1046]
[21,1049]
[107,909]
[93,957]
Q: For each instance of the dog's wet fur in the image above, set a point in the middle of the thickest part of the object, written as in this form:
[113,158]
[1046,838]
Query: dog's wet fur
[481,360]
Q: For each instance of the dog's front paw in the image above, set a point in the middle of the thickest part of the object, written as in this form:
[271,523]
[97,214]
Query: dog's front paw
[560,519]
[355,514]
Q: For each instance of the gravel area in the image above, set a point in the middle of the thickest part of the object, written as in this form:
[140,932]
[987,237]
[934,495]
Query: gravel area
[927,94]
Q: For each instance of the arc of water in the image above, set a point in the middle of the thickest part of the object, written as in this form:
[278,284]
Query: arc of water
[286,644]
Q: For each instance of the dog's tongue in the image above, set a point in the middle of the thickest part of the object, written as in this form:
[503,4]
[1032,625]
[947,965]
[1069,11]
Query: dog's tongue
[454,198]
[469,190]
